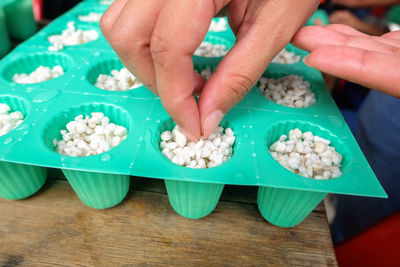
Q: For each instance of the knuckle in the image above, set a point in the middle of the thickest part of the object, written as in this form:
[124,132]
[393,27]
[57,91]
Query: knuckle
[159,46]
[106,23]
[239,85]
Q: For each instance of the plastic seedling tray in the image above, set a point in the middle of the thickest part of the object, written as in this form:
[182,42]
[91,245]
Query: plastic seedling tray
[102,181]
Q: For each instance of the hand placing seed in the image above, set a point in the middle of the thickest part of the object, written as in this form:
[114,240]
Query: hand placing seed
[41,74]
[291,91]
[71,36]
[206,153]
[307,155]
[87,136]
[207,49]
[118,81]
[9,121]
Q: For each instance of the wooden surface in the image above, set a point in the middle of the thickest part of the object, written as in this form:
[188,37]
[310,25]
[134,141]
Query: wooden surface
[53,228]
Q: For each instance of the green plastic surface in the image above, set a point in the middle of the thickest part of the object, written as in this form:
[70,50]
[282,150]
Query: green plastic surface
[256,121]
[5,44]
[320,18]
[393,15]
[20,21]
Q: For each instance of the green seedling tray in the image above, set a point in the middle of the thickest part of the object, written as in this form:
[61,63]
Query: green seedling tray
[320,15]
[5,44]
[101,181]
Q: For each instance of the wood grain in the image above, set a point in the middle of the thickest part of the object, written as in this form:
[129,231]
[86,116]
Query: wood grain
[53,228]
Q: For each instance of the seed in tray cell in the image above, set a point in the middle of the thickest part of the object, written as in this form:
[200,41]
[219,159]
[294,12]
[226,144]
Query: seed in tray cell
[218,25]
[89,135]
[41,74]
[118,81]
[9,120]
[291,91]
[71,36]
[286,57]
[311,157]
[91,17]
[206,153]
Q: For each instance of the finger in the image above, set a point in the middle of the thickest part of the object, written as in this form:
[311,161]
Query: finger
[259,38]
[350,31]
[110,16]
[393,35]
[312,37]
[130,37]
[179,30]
[374,70]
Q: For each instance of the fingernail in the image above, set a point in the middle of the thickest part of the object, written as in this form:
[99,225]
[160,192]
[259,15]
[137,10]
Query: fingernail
[305,61]
[211,122]
[189,135]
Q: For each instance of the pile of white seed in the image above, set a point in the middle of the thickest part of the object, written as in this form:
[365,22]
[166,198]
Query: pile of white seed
[118,81]
[206,73]
[91,17]
[71,36]
[207,49]
[286,57]
[9,121]
[87,136]
[291,91]
[307,155]
[206,153]
[218,25]
[41,74]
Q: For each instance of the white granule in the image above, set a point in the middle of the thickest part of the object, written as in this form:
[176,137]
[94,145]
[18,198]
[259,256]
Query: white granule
[291,91]
[71,36]
[219,25]
[41,74]
[206,153]
[206,73]
[118,81]
[87,136]
[207,49]
[286,57]
[307,155]
[91,17]
[9,121]
[106,2]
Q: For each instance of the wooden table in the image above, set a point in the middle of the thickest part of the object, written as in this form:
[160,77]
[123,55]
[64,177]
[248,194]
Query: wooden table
[53,228]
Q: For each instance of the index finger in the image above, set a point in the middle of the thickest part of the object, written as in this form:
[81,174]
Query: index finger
[179,30]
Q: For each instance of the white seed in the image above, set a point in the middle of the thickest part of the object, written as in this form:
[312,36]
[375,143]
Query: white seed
[71,36]
[289,91]
[307,155]
[206,153]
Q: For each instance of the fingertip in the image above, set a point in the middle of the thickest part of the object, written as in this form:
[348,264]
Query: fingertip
[211,122]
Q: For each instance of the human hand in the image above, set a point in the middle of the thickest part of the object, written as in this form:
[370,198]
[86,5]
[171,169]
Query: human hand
[343,52]
[156,39]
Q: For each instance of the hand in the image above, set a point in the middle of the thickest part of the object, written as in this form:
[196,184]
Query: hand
[155,39]
[343,52]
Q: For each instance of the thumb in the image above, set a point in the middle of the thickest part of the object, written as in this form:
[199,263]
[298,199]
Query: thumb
[261,34]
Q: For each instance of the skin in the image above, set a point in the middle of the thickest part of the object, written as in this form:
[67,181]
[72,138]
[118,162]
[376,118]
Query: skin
[155,39]
[344,52]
